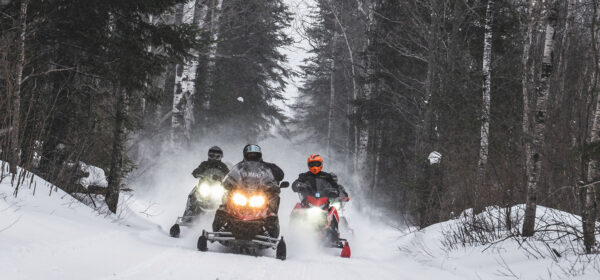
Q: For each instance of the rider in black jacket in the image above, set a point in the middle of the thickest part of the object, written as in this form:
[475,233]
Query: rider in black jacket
[307,182]
[212,168]
[250,171]
[214,162]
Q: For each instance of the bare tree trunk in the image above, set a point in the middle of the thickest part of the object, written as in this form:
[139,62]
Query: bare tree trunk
[16,98]
[563,61]
[593,174]
[377,158]
[213,22]
[485,108]
[358,151]
[543,89]
[331,96]
[118,150]
[526,83]
[185,79]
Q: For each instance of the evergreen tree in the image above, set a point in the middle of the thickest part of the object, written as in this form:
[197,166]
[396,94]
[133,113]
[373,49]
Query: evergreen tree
[249,72]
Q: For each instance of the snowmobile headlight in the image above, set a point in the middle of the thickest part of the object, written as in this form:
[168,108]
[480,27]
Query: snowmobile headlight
[217,191]
[336,205]
[257,201]
[239,199]
[314,212]
[204,189]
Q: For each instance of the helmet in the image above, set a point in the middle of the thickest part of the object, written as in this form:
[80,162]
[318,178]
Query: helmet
[315,163]
[252,152]
[215,153]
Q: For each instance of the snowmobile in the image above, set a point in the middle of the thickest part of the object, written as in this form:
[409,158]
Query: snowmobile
[339,204]
[245,230]
[317,212]
[204,197]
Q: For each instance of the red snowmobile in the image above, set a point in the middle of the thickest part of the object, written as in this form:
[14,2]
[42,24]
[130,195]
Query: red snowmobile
[316,212]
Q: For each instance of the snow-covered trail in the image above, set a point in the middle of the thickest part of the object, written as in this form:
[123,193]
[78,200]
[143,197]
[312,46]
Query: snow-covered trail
[55,237]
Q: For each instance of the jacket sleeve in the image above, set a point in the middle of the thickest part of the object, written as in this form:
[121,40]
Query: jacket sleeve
[341,190]
[299,184]
[199,170]
[277,172]
[223,167]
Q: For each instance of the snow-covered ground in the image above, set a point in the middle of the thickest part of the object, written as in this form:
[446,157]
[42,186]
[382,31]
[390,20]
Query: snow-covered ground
[48,235]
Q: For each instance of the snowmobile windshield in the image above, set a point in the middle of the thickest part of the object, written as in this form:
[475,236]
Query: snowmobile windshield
[214,174]
[251,175]
[322,188]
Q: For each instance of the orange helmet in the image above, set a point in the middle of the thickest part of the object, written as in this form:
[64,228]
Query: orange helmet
[315,163]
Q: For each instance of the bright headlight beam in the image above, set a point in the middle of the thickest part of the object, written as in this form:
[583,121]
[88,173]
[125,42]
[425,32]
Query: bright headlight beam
[217,191]
[204,189]
[239,199]
[257,201]
[314,214]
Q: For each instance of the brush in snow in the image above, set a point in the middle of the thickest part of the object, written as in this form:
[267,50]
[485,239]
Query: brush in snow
[244,224]
[317,213]
[204,197]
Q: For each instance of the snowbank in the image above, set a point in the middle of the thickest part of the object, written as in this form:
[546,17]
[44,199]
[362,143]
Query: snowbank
[497,252]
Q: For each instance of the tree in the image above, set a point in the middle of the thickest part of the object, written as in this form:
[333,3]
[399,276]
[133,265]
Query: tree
[534,171]
[249,72]
[485,108]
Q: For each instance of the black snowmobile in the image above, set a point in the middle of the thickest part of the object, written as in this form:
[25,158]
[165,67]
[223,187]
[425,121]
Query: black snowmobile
[204,197]
[245,228]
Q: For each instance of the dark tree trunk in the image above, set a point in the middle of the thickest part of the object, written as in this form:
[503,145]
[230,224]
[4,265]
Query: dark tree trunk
[118,150]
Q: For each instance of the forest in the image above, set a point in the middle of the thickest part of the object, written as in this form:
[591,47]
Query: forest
[429,107]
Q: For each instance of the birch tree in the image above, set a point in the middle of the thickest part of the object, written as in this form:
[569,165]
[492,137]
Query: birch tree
[485,108]
[542,91]
[331,108]
[185,79]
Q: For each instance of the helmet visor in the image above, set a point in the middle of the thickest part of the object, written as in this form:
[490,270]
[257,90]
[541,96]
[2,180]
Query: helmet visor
[253,149]
[314,164]
[215,155]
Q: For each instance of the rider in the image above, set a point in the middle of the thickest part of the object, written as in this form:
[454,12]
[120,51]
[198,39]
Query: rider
[212,167]
[307,182]
[253,170]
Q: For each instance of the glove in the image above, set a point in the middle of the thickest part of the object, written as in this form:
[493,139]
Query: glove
[333,193]
[299,187]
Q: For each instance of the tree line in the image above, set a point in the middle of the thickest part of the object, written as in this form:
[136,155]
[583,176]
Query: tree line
[85,81]
[432,106]
[505,92]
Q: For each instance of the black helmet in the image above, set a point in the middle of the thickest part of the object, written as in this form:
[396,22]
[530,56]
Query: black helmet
[215,153]
[252,152]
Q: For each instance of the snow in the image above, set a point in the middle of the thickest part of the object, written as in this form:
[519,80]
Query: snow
[96,176]
[434,157]
[45,234]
